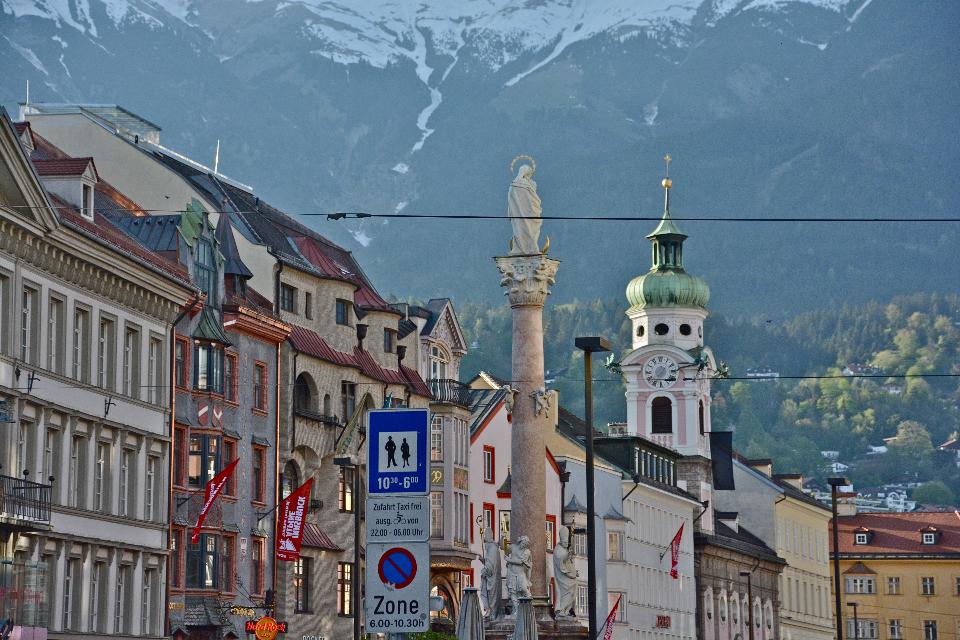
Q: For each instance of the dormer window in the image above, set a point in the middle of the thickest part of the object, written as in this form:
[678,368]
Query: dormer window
[206,271]
[87,209]
[929,535]
[861,538]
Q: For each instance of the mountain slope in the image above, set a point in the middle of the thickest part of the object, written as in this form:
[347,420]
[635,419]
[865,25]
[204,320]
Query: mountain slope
[772,109]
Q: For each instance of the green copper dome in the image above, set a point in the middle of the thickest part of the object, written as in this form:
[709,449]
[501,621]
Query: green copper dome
[667,288]
[667,284]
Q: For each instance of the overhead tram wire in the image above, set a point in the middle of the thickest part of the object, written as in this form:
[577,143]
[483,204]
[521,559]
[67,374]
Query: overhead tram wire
[360,215]
[82,385]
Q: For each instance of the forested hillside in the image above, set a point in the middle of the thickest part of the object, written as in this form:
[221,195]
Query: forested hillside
[813,406]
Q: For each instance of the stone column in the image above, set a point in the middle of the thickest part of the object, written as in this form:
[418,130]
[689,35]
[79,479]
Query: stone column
[527,279]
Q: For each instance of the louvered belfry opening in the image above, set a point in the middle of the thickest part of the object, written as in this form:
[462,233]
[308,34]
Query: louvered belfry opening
[662,415]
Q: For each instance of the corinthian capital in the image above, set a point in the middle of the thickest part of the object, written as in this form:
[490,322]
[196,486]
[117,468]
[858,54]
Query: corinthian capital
[527,278]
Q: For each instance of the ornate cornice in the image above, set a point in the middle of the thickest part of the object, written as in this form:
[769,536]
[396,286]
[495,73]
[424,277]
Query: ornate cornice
[20,243]
[527,278]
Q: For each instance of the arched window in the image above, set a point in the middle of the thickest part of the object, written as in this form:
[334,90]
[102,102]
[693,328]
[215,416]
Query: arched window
[438,363]
[700,416]
[303,393]
[291,479]
[661,410]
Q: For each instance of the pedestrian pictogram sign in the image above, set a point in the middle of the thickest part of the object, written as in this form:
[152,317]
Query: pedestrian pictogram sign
[397,567]
[397,454]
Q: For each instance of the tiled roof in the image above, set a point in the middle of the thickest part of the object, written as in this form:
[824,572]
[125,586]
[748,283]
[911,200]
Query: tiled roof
[860,568]
[315,538]
[741,541]
[482,403]
[63,167]
[158,233]
[899,533]
[103,229]
[307,341]
[335,262]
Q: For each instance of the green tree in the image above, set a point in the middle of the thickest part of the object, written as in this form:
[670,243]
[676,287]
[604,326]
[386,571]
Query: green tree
[912,439]
[933,492]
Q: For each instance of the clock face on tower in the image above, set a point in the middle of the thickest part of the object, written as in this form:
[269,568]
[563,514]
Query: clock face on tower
[660,372]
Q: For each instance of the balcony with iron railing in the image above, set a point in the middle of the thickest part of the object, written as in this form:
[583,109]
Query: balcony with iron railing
[24,504]
[449,391]
[309,414]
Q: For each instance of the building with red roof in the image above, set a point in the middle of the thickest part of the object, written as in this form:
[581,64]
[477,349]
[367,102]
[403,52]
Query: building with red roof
[902,571]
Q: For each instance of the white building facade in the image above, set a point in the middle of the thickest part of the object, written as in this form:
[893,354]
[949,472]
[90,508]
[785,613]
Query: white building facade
[84,373]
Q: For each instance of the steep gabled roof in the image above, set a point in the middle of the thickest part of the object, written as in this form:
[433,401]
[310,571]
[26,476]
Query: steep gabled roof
[64,167]
[233,263]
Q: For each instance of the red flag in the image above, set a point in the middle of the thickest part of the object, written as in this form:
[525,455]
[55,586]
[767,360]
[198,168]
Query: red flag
[291,516]
[210,493]
[675,553]
[608,625]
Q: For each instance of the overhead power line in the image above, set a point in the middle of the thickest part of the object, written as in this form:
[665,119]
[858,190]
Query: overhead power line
[360,215]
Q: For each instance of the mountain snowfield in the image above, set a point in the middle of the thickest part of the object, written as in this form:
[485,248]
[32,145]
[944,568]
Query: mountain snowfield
[384,32]
[772,108]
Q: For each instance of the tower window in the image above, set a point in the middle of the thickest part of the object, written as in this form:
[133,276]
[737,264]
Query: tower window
[661,329]
[701,418]
[641,330]
[661,410]
[685,329]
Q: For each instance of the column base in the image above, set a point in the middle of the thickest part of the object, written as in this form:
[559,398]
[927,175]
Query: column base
[563,628]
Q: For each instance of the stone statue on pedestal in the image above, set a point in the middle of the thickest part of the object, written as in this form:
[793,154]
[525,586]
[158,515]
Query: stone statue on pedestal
[542,401]
[524,210]
[509,398]
[519,564]
[564,574]
[490,576]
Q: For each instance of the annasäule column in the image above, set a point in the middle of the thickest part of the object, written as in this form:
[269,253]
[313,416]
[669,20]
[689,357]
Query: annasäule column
[527,279]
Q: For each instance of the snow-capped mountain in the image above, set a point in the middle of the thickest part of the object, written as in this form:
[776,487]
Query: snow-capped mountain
[419,105]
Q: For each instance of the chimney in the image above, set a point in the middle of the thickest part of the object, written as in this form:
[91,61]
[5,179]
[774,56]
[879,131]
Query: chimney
[846,504]
[793,479]
[729,518]
[763,465]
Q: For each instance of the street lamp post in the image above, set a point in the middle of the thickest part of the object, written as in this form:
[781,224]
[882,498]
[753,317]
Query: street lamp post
[856,621]
[347,462]
[835,484]
[750,623]
[589,346]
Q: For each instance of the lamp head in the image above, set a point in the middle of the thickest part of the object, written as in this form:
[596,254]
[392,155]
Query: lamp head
[838,481]
[592,344]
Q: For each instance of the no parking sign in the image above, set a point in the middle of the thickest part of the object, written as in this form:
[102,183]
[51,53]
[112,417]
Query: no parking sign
[398,587]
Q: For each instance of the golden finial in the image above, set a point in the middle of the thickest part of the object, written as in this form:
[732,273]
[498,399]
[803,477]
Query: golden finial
[667,182]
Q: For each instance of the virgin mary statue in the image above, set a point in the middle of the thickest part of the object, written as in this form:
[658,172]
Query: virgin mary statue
[524,210]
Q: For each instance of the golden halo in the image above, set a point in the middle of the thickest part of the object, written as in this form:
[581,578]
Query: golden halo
[523,156]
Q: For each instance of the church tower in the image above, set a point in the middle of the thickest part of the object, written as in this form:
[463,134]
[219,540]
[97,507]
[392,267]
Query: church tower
[668,372]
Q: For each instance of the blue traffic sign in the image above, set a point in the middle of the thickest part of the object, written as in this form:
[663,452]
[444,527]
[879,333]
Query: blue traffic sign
[397,454]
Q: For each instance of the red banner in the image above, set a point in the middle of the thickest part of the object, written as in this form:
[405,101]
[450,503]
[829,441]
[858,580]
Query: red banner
[291,516]
[608,625]
[675,553]
[210,493]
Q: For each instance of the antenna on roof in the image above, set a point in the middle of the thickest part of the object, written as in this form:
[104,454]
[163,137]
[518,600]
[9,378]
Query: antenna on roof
[27,103]
[216,158]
